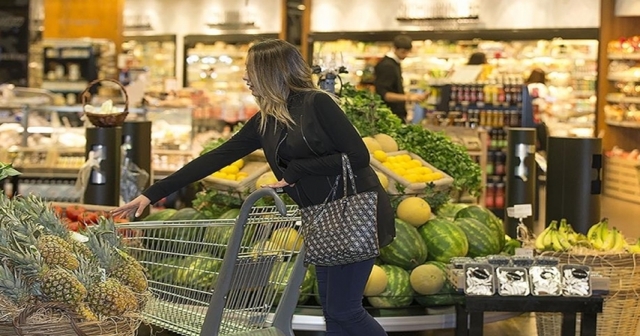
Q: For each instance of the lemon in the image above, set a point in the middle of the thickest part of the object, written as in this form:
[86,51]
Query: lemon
[388,165]
[425,170]
[405,157]
[231,177]
[380,155]
[400,170]
[415,163]
[240,177]
[218,174]
[239,164]
[230,170]
[437,176]
[243,174]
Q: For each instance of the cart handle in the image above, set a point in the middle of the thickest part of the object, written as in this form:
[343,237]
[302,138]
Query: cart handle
[257,195]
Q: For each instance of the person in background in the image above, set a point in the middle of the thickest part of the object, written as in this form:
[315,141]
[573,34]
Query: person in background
[477,58]
[536,84]
[388,78]
[303,132]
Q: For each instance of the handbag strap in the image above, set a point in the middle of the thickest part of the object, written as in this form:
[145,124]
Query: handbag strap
[347,172]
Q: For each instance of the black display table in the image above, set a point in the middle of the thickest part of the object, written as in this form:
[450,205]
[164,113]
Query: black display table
[470,315]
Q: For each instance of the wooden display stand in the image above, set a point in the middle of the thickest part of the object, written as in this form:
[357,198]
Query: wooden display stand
[613,28]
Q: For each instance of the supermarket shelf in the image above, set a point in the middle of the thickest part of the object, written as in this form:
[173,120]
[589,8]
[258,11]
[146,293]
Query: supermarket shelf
[621,56]
[625,124]
[623,77]
[582,93]
[76,109]
[620,98]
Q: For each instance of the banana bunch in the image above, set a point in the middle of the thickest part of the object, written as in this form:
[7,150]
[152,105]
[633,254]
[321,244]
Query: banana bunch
[559,237]
[635,248]
[603,238]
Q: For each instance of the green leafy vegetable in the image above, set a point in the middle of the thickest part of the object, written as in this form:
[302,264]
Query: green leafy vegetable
[6,170]
[371,116]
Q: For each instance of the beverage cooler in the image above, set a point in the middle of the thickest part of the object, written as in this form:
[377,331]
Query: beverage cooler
[213,67]
[154,55]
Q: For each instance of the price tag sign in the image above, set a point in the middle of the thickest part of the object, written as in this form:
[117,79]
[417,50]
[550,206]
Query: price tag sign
[527,252]
[520,211]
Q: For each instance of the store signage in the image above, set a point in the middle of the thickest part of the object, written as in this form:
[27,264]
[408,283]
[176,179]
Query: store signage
[14,42]
[442,10]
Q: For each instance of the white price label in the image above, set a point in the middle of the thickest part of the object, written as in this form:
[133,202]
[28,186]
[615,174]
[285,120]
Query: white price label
[527,252]
[521,211]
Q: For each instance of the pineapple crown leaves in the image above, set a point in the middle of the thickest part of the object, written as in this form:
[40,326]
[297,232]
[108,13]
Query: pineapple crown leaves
[14,287]
[43,214]
[88,272]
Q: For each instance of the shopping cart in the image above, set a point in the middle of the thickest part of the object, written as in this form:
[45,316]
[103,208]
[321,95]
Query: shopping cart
[225,276]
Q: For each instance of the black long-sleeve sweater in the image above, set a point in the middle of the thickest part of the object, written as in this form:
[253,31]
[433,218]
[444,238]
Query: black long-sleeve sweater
[307,155]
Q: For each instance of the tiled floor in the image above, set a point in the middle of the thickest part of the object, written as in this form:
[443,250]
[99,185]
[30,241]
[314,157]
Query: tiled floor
[625,216]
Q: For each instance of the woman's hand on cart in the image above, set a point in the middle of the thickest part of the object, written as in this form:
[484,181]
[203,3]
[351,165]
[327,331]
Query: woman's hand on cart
[280,184]
[136,207]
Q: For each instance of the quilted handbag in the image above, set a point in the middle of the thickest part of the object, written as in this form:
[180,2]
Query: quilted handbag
[341,231]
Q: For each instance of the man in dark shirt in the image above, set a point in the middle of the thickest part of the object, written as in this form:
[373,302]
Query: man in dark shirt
[388,80]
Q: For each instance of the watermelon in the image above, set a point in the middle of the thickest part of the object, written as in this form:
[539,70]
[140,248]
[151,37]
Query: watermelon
[487,217]
[407,250]
[199,270]
[482,239]
[161,215]
[444,239]
[306,287]
[185,214]
[450,210]
[398,293]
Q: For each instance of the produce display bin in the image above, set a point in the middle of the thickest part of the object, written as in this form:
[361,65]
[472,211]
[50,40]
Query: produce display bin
[255,165]
[411,187]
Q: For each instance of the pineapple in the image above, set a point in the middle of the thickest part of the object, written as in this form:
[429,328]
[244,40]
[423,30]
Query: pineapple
[117,263]
[85,313]
[14,288]
[44,215]
[20,224]
[56,283]
[111,298]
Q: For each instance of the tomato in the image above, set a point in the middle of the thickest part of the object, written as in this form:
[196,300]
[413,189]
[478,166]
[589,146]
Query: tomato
[59,211]
[74,211]
[88,217]
[75,226]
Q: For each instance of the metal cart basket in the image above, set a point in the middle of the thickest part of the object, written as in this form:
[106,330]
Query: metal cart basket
[223,276]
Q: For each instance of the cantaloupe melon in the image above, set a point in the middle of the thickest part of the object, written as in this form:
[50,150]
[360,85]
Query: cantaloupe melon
[372,144]
[387,143]
[266,179]
[384,180]
[287,239]
[427,279]
[377,282]
[414,210]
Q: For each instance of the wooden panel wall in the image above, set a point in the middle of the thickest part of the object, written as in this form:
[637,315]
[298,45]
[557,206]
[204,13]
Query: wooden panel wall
[613,28]
[84,18]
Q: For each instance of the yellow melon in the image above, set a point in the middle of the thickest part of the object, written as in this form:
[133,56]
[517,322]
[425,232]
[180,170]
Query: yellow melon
[414,210]
[372,144]
[387,143]
[383,180]
[427,279]
[377,282]
[287,239]
[265,179]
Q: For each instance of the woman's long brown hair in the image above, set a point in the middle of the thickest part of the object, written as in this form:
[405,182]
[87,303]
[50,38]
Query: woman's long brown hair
[275,68]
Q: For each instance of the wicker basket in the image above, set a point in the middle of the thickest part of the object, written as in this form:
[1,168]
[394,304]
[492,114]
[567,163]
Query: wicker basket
[106,120]
[621,310]
[60,322]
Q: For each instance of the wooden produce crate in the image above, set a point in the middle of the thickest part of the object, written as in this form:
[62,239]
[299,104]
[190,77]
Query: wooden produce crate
[255,165]
[622,179]
[411,187]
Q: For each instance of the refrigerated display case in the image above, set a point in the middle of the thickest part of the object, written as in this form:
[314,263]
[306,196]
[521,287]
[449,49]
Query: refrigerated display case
[156,54]
[214,65]
[569,58]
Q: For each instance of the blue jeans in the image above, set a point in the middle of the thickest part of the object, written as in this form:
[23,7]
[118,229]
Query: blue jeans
[341,289]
